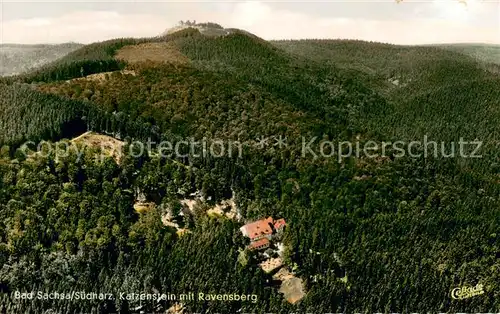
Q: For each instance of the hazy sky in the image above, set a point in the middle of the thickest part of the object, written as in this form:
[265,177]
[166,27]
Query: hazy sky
[409,22]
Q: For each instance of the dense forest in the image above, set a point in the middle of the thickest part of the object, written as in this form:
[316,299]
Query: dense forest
[385,234]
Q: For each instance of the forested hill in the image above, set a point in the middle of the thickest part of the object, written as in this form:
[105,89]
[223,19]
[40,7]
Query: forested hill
[366,234]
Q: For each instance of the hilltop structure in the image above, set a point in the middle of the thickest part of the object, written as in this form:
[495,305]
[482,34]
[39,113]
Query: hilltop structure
[208,29]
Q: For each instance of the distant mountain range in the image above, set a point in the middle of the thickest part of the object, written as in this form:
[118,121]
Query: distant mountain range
[487,53]
[16,58]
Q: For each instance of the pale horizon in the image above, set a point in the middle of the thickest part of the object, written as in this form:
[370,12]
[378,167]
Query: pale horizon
[405,23]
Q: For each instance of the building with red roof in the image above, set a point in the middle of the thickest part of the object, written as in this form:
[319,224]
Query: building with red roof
[260,231]
[279,224]
[263,243]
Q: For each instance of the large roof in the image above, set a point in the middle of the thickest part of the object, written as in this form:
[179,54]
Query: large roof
[258,228]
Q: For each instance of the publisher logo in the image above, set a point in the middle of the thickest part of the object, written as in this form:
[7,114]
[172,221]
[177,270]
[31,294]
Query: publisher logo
[467,292]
